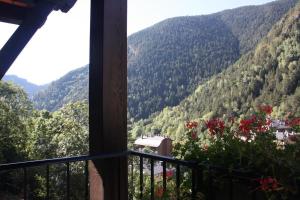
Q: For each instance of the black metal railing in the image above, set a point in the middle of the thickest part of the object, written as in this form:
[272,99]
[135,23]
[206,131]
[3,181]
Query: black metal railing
[165,160]
[202,177]
[49,162]
[67,161]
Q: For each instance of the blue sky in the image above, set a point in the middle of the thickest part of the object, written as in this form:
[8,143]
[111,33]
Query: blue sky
[62,44]
[143,13]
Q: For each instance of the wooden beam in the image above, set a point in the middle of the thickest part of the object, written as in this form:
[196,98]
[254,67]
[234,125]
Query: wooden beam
[12,14]
[108,97]
[16,43]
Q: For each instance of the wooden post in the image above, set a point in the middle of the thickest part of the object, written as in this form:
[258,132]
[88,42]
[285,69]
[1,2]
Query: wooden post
[108,98]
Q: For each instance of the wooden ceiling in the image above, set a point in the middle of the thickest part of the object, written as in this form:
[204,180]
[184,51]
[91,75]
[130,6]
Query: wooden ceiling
[14,11]
[19,3]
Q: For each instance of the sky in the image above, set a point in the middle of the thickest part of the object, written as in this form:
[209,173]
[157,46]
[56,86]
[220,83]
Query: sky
[62,44]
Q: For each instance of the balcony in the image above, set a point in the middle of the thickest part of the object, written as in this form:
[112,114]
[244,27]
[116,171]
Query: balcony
[111,171]
[189,181]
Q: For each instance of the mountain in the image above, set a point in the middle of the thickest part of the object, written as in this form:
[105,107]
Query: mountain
[269,74]
[29,88]
[72,87]
[167,61]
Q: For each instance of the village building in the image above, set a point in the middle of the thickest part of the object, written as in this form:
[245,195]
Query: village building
[158,144]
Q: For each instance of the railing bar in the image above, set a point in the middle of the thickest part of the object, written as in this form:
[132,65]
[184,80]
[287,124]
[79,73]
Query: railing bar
[68,180]
[120,169]
[86,173]
[162,158]
[25,183]
[194,182]
[230,188]
[199,178]
[152,178]
[141,177]
[253,195]
[131,178]
[47,182]
[164,176]
[210,195]
[178,181]
[36,163]
[11,166]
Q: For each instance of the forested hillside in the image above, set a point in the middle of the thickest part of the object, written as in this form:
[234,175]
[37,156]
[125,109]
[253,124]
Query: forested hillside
[166,62]
[270,74]
[72,87]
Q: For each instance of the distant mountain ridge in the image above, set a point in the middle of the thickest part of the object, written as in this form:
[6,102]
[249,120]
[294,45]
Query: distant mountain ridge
[30,88]
[167,61]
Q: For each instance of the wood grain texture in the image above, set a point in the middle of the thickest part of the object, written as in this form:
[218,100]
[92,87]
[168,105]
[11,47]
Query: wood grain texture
[108,95]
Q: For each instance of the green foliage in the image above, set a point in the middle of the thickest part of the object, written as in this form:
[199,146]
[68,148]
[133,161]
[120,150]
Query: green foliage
[15,109]
[27,134]
[61,133]
[269,74]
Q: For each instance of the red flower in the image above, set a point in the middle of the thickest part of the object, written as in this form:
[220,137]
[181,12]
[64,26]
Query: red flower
[194,135]
[262,126]
[268,122]
[246,126]
[159,192]
[205,147]
[191,125]
[293,138]
[215,126]
[267,109]
[268,184]
[169,174]
[255,124]
[293,122]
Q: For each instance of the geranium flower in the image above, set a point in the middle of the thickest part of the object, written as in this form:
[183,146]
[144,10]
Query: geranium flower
[159,192]
[255,124]
[262,126]
[246,125]
[293,122]
[169,174]
[191,124]
[268,184]
[215,126]
[194,135]
[205,147]
[267,109]
[268,122]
